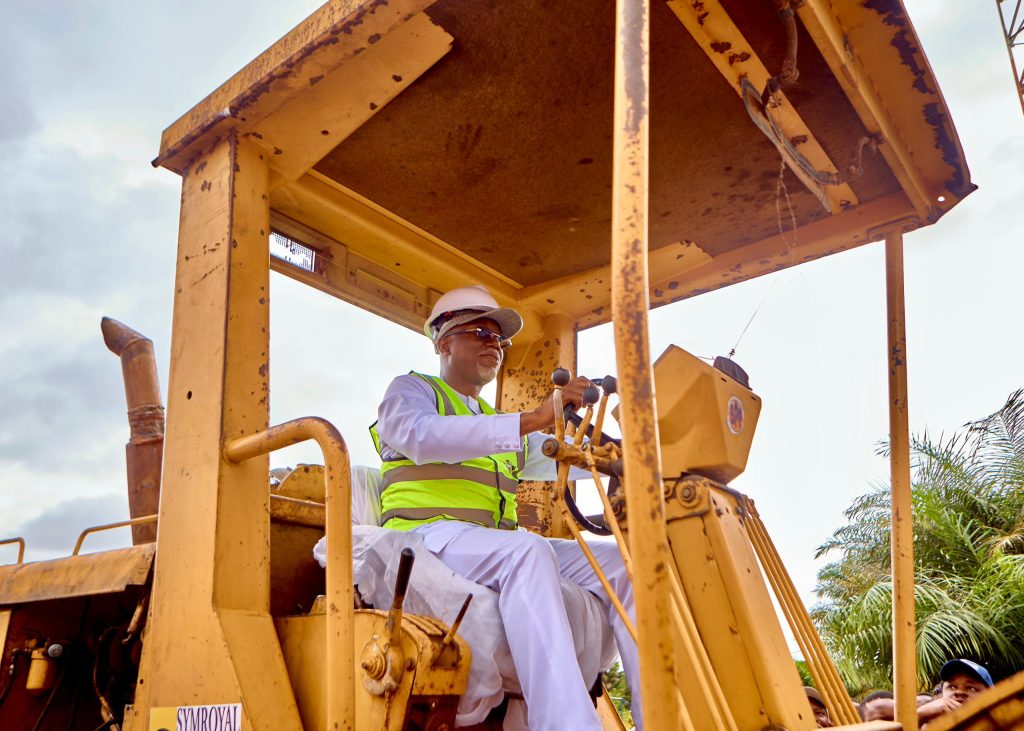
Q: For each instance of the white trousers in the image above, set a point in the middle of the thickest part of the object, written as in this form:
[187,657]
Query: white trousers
[524,569]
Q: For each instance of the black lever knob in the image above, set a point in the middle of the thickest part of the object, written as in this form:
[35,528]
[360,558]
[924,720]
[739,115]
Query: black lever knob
[609,384]
[591,395]
[560,377]
[404,571]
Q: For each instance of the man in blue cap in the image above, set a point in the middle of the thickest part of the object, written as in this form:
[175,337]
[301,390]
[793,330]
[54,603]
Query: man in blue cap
[961,679]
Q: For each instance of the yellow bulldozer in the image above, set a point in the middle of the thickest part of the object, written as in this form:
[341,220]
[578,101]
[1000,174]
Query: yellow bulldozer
[586,162]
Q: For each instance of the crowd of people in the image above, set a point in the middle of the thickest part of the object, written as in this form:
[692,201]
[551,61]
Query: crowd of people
[961,679]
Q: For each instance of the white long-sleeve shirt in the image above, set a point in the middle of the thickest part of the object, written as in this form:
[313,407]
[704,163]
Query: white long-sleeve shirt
[409,426]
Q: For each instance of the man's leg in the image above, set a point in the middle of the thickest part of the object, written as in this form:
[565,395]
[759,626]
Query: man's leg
[523,568]
[574,566]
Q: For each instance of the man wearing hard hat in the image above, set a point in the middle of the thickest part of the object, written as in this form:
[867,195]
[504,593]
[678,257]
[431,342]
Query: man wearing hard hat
[453,481]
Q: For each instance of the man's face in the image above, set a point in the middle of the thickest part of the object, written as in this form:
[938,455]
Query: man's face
[473,358]
[961,686]
[820,715]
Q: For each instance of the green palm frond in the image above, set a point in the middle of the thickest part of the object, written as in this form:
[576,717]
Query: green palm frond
[968,508]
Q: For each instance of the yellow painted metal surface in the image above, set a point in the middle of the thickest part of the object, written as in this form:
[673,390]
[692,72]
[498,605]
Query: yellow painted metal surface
[734,57]
[305,129]
[314,140]
[732,608]
[903,622]
[430,670]
[108,572]
[823,670]
[340,639]
[706,421]
[648,542]
[213,585]
[20,542]
[5,623]
[525,381]
[143,520]
[293,65]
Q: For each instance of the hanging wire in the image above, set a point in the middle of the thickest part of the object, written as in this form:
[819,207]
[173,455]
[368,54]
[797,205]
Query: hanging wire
[781,191]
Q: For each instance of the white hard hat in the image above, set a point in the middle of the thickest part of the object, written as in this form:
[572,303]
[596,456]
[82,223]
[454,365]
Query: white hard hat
[466,304]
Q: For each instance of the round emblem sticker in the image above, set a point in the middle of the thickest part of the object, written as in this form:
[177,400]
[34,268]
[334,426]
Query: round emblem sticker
[735,415]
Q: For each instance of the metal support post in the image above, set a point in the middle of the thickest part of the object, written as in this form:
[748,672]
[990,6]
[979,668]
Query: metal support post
[646,515]
[903,630]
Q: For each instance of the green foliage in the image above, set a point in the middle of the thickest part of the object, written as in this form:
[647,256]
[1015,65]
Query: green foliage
[968,506]
[615,682]
[805,673]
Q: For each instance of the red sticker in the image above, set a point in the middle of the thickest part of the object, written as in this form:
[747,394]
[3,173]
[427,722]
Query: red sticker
[735,415]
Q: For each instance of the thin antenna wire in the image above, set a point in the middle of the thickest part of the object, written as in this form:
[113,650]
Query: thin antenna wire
[752,316]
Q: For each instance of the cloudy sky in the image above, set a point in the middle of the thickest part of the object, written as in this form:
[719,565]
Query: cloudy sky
[90,230]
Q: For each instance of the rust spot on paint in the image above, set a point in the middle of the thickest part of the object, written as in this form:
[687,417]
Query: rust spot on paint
[277,151]
[373,39]
[263,370]
[396,78]
[738,57]
[324,132]
[720,46]
[950,152]
[903,40]
[205,186]
[372,106]
[314,80]
[201,167]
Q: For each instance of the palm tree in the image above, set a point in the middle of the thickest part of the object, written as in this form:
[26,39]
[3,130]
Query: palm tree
[968,500]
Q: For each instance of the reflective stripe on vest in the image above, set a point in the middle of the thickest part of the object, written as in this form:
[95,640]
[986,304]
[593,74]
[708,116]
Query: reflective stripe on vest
[479,490]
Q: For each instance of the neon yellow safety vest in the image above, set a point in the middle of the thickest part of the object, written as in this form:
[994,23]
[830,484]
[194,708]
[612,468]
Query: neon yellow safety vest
[480,490]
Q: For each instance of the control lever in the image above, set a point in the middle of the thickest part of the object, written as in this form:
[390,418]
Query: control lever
[384,664]
[394,625]
[560,377]
[590,397]
[569,413]
[454,630]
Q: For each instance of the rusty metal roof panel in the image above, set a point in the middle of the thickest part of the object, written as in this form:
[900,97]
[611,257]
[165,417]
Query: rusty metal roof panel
[432,143]
[105,572]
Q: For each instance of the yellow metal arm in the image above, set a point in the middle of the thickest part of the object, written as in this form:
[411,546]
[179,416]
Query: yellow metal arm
[21,546]
[108,526]
[340,681]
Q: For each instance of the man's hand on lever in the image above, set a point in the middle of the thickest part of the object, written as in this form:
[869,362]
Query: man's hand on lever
[543,416]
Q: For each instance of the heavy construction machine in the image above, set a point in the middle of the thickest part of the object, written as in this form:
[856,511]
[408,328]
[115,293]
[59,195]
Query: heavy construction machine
[585,161]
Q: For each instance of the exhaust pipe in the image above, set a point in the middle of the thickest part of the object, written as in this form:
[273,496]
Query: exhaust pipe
[144,451]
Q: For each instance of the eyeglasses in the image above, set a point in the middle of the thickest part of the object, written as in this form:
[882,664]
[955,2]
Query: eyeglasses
[484,336]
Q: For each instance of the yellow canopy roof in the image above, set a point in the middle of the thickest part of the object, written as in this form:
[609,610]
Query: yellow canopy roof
[419,146]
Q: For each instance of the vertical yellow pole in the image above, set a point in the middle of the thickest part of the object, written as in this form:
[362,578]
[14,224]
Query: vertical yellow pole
[903,632]
[525,383]
[210,638]
[646,513]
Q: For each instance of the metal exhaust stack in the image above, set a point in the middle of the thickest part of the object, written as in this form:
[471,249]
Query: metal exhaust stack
[144,451]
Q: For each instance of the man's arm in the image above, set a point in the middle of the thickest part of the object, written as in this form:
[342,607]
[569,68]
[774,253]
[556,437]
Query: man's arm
[408,423]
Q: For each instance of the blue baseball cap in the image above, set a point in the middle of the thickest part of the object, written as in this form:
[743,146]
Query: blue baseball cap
[966,667]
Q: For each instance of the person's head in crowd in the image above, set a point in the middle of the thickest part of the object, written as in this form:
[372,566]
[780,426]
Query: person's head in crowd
[878,706]
[819,708]
[962,679]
